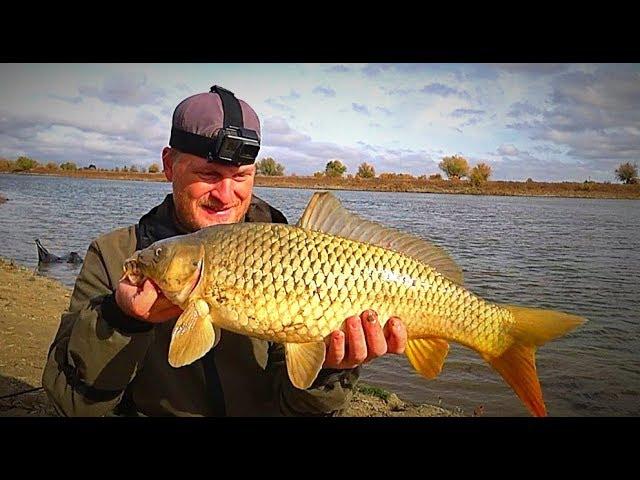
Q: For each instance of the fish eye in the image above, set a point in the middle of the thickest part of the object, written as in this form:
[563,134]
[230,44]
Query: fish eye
[158,250]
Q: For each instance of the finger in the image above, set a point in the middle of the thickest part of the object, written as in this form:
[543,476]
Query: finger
[395,333]
[356,347]
[335,350]
[374,336]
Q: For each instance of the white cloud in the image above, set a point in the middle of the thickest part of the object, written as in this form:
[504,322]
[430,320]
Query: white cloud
[325,91]
[132,89]
[357,107]
[508,150]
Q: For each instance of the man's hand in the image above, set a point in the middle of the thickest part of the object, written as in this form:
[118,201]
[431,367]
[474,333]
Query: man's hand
[145,302]
[364,340]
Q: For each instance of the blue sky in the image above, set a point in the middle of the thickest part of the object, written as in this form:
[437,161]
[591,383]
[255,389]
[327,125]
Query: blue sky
[549,122]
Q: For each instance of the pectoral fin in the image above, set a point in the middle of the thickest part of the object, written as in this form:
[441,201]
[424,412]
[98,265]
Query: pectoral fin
[304,361]
[193,335]
[427,355]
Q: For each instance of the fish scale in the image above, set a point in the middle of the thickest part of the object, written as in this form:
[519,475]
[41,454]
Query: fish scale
[289,300]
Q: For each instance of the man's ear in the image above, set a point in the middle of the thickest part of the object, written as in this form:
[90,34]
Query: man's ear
[167,163]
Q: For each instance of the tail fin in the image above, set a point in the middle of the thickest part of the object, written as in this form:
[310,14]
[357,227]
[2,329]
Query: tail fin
[533,328]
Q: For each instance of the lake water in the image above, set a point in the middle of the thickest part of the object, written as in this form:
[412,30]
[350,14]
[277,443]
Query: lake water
[577,255]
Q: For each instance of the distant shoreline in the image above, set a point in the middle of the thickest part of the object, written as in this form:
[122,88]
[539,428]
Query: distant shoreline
[398,184]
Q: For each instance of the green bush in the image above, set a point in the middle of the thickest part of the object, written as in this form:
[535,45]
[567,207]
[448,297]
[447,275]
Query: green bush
[480,174]
[374,391]
[24,163]
[627,173]
[335,168]
[366,171]
[154,168]
[69,166]
[269,167]
[454,167]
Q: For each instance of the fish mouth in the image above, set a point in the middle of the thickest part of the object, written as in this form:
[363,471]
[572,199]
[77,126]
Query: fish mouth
[132,272]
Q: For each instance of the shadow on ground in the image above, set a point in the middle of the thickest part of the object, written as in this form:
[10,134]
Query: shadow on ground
[29,404]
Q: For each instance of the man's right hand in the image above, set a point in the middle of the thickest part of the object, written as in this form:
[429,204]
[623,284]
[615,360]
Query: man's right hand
[145,302]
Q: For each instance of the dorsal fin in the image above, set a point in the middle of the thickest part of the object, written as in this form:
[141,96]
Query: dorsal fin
[326,214]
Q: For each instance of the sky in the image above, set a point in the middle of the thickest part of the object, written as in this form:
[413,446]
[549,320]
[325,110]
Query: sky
[548,122]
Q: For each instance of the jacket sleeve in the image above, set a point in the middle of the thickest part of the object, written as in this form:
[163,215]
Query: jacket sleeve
[97,349]
[329,394]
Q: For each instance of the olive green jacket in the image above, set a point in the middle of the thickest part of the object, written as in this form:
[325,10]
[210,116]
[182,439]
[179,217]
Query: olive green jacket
[103,362]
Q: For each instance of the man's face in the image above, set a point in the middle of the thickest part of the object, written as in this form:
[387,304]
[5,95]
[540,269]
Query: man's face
[208,193]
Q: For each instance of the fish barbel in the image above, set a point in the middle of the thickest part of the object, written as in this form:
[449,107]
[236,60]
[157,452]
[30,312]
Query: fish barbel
[297,284]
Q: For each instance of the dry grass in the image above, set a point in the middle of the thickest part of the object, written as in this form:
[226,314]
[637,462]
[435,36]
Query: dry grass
[547,189]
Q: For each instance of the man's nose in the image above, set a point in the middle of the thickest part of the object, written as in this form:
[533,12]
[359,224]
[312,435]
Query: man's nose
[224,191]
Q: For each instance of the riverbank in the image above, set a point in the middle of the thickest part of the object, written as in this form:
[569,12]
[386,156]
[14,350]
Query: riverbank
[31,305]
[398,184]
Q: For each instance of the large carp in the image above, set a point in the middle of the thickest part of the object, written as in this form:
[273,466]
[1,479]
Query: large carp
[297,284]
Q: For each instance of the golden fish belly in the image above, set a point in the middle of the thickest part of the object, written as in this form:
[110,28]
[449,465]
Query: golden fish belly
[288,284]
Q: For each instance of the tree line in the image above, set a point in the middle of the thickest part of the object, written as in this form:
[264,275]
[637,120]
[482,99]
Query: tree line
[454,167]
[22,164]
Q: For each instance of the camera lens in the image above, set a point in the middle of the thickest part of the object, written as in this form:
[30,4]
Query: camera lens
[249,152]
[229,147]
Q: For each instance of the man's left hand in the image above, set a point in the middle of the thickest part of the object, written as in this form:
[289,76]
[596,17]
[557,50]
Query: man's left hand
[363,340]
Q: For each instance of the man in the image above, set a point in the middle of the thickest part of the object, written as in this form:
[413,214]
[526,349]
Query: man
[109,356]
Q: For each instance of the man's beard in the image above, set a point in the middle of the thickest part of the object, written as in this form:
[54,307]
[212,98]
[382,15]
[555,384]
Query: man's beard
[187,217]
[216,205]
